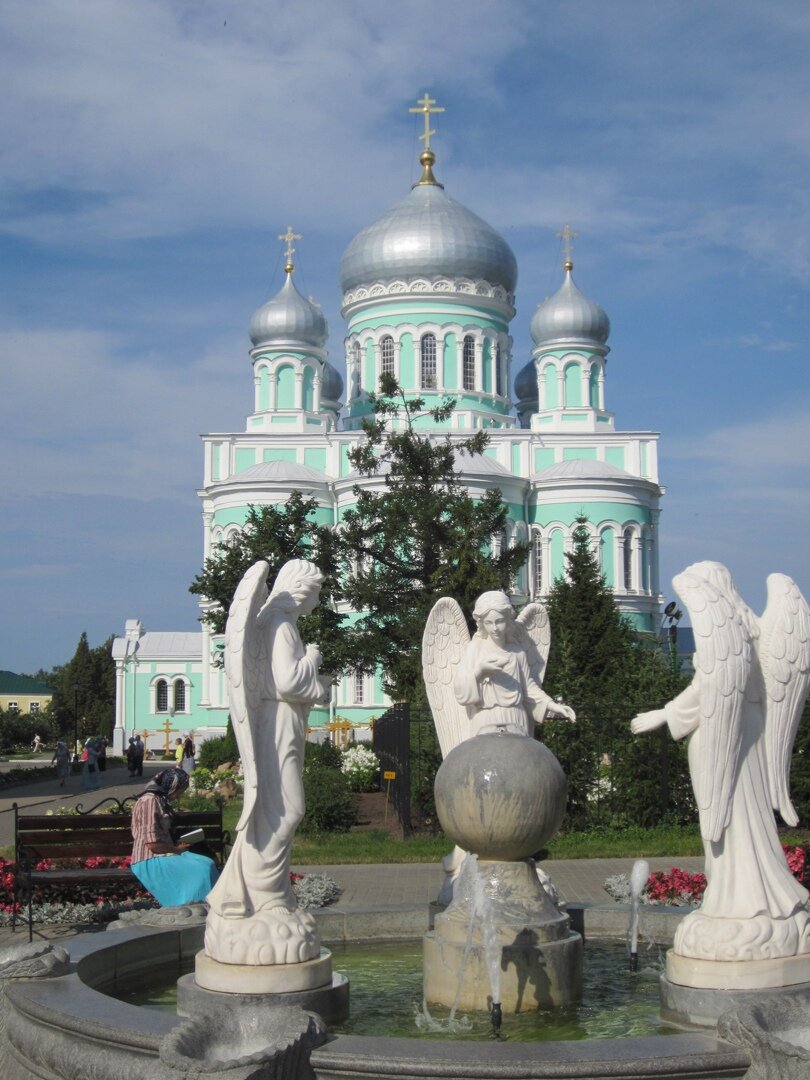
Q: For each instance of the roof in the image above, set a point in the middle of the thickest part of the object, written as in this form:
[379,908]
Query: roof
[584,469]
[165,645]
[12,683]
[277,471]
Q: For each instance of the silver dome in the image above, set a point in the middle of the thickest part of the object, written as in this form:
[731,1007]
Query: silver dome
[331,383]
[526,383]
[288,317]
[569,316]
[428,234]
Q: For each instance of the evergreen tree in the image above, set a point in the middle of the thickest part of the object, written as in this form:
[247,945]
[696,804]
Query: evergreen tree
[419,538]
[84,691]
[278,534]
[606,673]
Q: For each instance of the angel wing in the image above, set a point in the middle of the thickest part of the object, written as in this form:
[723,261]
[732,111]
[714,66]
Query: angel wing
[784,653]
[444,643]
[723,656]
[246,662]
[534,632]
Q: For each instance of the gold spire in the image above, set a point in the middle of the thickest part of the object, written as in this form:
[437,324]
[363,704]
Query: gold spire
[288,237]
[567,235]
[427,106]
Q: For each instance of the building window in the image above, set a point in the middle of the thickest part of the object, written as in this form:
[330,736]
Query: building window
[468,363]
[387,355]
[498,372]
[161,696]
[538,563]
[14,706]
[179,696]
[33,707]
[359,687]
[428,358]
[628,559]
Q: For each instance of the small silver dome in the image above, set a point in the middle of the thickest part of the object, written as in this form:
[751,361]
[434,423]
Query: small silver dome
[526,383]
[569,316]
[331,383]
[428,234]
[288,317]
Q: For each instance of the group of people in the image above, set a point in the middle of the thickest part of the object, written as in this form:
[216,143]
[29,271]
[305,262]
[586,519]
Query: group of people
[92,755]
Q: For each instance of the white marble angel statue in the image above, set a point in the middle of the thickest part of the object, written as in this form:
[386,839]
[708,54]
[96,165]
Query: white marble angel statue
[741,711]
[487,683]
[490,682]
[273,681]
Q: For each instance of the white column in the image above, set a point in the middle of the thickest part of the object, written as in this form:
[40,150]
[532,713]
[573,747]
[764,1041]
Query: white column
[440,363]
[272,380]
[602,387]
[299,389]
[119,740]
[479,364]
[316,393]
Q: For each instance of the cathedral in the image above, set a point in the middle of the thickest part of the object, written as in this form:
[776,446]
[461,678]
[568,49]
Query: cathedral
[428,296]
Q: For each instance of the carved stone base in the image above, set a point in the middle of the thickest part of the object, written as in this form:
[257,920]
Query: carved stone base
[704,937]
[331,1002]
[737,974]
[263,978]
[182,915]
[270,936]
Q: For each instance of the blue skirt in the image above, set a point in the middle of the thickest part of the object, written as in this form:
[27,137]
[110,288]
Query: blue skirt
[177,879]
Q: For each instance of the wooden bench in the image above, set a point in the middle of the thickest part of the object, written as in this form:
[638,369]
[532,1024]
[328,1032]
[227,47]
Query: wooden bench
[104,831]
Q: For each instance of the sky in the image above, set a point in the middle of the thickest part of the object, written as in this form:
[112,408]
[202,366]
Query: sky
[152,152]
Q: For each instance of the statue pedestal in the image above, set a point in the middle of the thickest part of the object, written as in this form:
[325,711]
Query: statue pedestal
[502,923]
[254,989]
[698,992]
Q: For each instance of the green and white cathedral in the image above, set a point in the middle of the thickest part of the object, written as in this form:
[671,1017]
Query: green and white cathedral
[428,295]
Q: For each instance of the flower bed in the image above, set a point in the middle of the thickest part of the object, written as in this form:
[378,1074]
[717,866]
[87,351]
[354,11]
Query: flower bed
[679,888]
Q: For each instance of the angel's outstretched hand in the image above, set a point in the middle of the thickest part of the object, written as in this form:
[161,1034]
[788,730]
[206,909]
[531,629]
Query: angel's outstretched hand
[565,712]
[648,721]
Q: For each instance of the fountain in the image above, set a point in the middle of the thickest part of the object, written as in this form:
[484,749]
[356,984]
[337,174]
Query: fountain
[501,944]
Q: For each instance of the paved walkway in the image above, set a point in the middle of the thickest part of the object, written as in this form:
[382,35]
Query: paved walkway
[363,886]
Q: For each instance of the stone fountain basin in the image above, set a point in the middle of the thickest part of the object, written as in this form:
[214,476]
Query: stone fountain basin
[68,1028]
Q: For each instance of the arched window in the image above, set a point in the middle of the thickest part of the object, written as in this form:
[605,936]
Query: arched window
[628,559]
[468,363]
[387,355]
[161,696]
[427,348]
[358,687]
[538,562]
[179,696]
[498,372]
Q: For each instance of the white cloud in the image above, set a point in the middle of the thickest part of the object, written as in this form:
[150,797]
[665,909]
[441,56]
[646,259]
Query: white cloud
[78,416]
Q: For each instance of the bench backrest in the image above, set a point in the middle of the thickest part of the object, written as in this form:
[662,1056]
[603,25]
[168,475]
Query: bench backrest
[81,836]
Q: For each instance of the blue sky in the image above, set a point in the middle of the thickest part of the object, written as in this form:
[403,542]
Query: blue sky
[151,152]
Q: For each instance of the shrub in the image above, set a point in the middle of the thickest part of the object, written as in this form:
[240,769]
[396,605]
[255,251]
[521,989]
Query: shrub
[361,768]
[217,751]
[324,754]
[329,802]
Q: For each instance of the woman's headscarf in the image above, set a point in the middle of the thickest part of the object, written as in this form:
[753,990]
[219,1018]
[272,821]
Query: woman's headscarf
[166,783]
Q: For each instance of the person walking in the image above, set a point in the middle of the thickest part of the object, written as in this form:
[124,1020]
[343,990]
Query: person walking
[90,779]
[61,759]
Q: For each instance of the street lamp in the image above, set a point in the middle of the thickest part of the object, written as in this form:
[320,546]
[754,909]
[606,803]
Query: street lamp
[75,720]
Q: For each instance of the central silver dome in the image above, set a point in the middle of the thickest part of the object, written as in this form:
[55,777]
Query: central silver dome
[428,234]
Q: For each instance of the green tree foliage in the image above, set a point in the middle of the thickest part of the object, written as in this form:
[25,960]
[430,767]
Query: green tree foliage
[278,534]
[607,673]
[84,685]
[219,750]
[420,537]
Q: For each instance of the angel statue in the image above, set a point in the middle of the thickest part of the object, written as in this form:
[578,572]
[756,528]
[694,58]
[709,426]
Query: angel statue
[741,712]
[273,681]
[487,683]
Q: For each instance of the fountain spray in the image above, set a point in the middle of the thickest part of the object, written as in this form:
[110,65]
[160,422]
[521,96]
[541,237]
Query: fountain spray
[638,879]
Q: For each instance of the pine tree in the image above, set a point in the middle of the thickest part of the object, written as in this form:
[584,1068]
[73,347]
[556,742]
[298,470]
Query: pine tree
[84,686]
[601,668]
[419,538]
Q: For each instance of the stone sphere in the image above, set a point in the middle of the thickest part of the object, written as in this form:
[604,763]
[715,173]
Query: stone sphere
[501,796]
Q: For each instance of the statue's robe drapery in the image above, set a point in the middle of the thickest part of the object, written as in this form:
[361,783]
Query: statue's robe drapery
[508,698]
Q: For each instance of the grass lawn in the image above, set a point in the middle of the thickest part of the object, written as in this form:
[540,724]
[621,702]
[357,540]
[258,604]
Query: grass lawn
[376,846]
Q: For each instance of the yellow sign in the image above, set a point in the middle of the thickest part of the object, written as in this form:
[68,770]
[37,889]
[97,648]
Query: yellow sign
[389,776]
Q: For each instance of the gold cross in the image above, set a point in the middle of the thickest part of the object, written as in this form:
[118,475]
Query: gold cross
[567,235]
[425,106]
[289,236]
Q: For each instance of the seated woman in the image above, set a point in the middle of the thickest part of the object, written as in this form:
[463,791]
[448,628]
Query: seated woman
[172,874]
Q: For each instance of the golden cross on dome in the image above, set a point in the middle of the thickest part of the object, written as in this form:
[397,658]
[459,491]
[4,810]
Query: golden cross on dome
[567,235]
[289,236]
[426,105]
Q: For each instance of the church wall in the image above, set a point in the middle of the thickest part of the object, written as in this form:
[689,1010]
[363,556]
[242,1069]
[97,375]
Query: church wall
[544,513]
